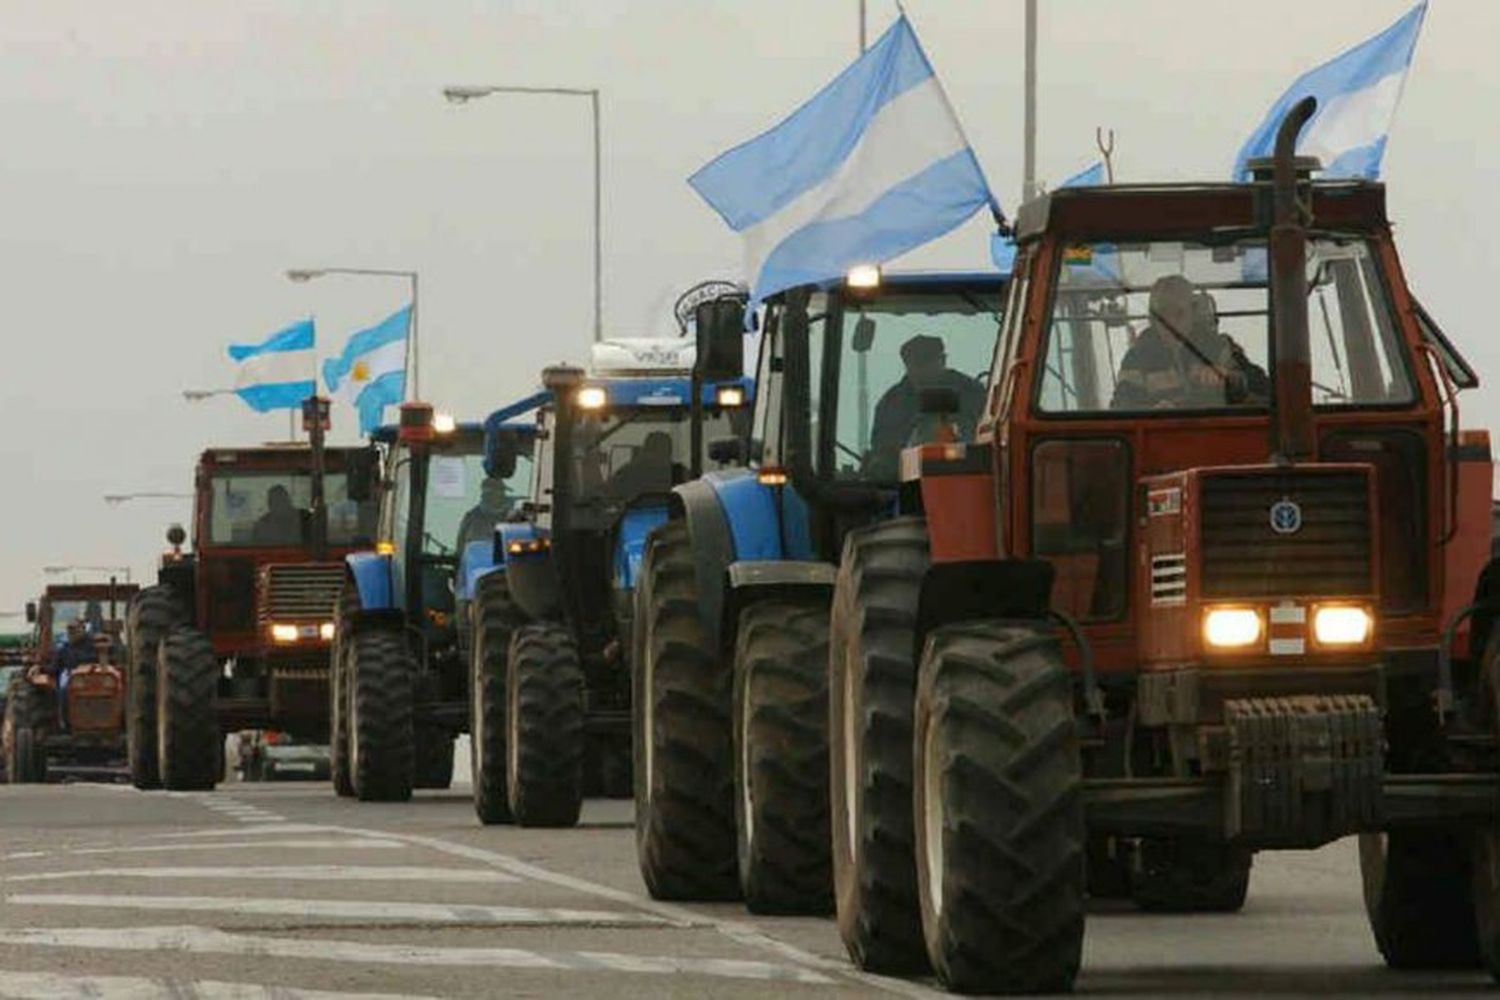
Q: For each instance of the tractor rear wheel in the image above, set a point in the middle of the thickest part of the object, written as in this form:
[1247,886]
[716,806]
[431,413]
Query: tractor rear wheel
[781,755]
[1485,858]
[1107,864]
[152,612]
[382,754]
[872,681]
[495,616]
[187,722]
[544,742]
[1000,828]
[28,716]
[683,739]
[1177,876]
[434,767]
[1418,898]
[338,691]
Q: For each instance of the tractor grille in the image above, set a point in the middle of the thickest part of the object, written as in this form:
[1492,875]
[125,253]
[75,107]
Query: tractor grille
[300,592]
[94,702]
[1329,555]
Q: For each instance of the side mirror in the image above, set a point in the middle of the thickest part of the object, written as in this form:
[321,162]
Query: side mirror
[721,339]
[940,400]
[864,335]
[31,612]
[362,471]
[176,536]
[727,451]
[501,452]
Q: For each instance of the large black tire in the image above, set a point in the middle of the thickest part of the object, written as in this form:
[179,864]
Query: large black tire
[187,720]
[28,719]
[872,682]
[544,742]
[1418,899]
[382,750]
[1107,864]
[1484,864]
[683,740]
[781,755]
[495,616]
[999,806]
[1177,876]
[338,691]
[434,766]
[151,614]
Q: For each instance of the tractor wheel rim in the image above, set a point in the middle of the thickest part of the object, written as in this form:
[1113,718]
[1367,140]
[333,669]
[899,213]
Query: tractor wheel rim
[477,727]
[512,744]
[742,737]
[648,718]
[934,821]
[347,683]
[851,772]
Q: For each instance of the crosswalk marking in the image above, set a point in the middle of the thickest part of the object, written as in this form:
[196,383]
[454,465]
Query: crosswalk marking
[342,843]
[239,831]
[305,873]
[343,909]
[58,986]
[205,940]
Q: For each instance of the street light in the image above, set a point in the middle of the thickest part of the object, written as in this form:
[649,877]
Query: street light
[462,95]
[119,498]
[305,274]
[75,570]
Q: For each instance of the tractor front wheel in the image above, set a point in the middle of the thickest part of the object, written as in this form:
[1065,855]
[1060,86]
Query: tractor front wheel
[1177,876]
[1418,898]
[1485,857]
[434,767]
[187,723]
[1000,828]
[545,741]
[152,613]
[28,714]
[382,752]
[338,691]
[781,756]
[495,616]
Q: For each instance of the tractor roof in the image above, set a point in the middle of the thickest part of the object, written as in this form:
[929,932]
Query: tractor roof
[1179,210]
[88,591]
[282,455]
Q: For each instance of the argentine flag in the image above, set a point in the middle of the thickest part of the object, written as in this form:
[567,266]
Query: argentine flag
[280,372]
[371,372]
[1357,96]
[874,165]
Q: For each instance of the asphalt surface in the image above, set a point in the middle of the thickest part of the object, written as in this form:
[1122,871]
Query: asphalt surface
[283,890]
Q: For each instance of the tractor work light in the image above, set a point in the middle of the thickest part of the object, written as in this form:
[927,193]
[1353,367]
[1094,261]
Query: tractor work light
[528,546]
[1232,628]
[771,477]
[730,395]
[385,548]
[443,423]
[591,397]
[325,631]
[863,276]
[1342,625]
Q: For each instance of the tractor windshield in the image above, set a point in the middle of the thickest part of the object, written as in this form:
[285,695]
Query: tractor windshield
[463,503]
[626,452]
[1175,326]
[882,352]
[272,508]
[94,613]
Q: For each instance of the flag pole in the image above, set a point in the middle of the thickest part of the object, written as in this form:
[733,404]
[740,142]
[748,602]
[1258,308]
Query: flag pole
[1028,179]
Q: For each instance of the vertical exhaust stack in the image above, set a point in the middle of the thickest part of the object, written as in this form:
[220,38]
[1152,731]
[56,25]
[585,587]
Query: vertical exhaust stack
[1291,427]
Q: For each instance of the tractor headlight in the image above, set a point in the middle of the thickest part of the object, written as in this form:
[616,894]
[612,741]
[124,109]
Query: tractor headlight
[284,633]
[591,397]
[1342,625]
[863,276]
[325,631]
[443,423]
[1231,628]
[730,395]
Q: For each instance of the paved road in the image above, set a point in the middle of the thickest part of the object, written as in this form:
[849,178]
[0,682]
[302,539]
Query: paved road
[284,891]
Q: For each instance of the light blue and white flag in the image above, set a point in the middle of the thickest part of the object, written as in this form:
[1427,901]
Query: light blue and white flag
[278,373]
[1357,96]
[370,374]
[874,165]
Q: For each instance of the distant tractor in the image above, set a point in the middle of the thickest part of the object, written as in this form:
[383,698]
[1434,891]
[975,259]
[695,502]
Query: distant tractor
[81,731]
[553,620]
[235,634]
[731,691]
[400,692]
[1215,577]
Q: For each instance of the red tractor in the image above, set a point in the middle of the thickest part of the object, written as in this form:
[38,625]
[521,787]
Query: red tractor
[81,732]
[235,635]
[1215,577]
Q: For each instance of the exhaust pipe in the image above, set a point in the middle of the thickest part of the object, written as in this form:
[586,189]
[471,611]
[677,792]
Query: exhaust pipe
[1291,426]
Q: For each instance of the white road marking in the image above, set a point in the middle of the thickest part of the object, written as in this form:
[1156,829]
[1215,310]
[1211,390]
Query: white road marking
[239,831]
[57,986]
[346,909]
[205,940]
[342,843]
[304,873]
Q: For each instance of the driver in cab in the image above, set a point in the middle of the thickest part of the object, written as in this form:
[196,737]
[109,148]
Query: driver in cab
[898,415]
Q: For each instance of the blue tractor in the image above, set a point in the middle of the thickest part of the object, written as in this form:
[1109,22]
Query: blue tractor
[399,679]
[731,673]
[552,621]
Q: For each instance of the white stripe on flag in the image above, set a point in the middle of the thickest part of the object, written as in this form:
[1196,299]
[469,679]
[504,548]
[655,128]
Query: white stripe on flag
[905,137]
[276,367]
[383,360]
[1349,121]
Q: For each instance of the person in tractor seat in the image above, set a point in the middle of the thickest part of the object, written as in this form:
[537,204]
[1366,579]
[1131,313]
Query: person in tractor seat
[494,506]
[649,469]
[73,652]
[1181,360]
[898,416]
[281,524]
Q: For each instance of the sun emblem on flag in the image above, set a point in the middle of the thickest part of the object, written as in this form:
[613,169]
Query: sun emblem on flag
[361,371]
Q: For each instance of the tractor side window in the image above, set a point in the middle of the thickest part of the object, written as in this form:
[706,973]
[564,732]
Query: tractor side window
[765,435]
[1356,357]
[1080,493]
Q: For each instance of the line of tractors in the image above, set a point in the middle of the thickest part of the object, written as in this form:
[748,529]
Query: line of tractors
[984,596]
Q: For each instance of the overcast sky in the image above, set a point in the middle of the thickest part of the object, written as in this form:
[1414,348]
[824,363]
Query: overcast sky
[164,162]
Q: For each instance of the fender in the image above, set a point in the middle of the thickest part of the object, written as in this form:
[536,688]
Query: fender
[477,559]
[497,556]
[630,542]
[977,589]
[374,580]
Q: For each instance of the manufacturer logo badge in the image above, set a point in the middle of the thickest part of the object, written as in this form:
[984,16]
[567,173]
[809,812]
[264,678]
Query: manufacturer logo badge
[1286,517]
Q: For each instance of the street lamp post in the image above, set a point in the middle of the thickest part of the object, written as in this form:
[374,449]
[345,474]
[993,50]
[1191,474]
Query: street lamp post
[462,95]
[115,499]
[309,273]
